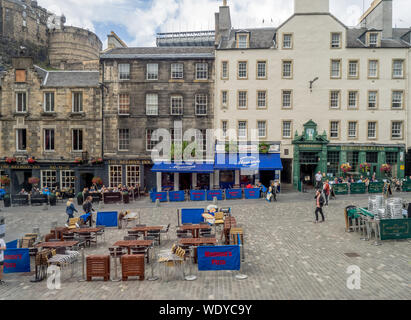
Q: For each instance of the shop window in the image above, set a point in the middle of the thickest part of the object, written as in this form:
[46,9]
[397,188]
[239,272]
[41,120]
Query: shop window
[372,157]
[67,180]
[309,157]
[333,158]
[391,158]
[133,176]
[167,181]
[48,178]
[352,159]
[115,174]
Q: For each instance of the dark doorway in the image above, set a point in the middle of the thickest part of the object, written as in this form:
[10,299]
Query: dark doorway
[227,179]
[266,177]
[185,181]
[86,180]
[203,181]
[307,173]
[287,170]
[21,180]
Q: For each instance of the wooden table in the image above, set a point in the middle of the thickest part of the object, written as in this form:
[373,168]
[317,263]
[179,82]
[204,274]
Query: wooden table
[147,229]
[60,244]
[194,228]
[80,230]
[197,241]
[133,243]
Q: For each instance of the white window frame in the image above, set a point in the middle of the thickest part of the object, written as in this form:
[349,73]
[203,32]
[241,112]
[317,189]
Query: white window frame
[242,70]
[123,139]
[115,175]
[121,105]
[46,178]
[179,107]
[153,142]
[353,70]
[287,44]
[284,128]
[335,45]
[152,105]
[224,128]
[394,69]
[242,41]
[261,71]
[335,101]
[133,175]
[334,129]
[201,104]
[202,71]
[286,70]
[242,97]
[47,107]
[351,129]
[224,98]
[242,131]
[67,179]
[17,140]
[54,139]
[78,94]
[262,126]
[224,70]
[177,71]
[335,72]
[350,106]
[72,140]
[400,129]
[124,71]
[374,99]
[369,129]
[152,72]
[373,72]
[261,101]
[396,101]
[24,93]
[284,95]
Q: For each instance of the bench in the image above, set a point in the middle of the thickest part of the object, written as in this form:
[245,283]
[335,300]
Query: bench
[112,197]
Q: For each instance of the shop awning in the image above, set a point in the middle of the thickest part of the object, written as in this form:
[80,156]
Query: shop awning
[262,162]
[207,167]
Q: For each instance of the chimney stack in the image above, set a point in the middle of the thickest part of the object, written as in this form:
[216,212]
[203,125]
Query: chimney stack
[222,23]
[379,17]
[311,6]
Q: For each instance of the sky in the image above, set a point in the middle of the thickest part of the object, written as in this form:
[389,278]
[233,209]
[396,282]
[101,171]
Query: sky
[136,22]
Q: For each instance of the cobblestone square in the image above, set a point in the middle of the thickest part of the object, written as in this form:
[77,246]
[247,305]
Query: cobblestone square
[287,256]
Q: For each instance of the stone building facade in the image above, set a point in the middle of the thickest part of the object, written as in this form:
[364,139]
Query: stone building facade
[54,118]
[148,89]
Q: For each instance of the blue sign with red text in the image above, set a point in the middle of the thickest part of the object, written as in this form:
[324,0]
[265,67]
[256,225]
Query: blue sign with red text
[216,258]
[16,260]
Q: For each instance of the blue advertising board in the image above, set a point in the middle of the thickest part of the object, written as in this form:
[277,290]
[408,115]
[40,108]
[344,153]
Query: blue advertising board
[197,195]
[192,215]
[216,258]
[252,193]
[233,194]
[107,219]
[12,244]
[214,193]
[162,196]
[16,261]
[175,196]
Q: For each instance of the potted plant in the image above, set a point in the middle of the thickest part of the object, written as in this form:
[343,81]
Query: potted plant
[345,167]
[34,181]
[126,197]
[53,199]
[365,167]
[7,200]
[386,169]
[80,198]
[97,181]
[11,160]
[97,161]
[5,180]
[31,160]
[78,160]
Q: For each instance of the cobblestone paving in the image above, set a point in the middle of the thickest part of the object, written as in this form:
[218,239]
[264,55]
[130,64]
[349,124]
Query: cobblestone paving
[287,256]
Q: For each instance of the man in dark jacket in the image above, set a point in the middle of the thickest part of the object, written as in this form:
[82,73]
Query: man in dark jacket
[319,201]
[88,209]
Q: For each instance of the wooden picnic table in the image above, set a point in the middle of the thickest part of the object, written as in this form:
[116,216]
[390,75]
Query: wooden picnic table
[194,228]
[59,244]
[133,243]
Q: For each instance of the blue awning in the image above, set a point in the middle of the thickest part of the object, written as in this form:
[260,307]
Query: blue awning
[183,167]
[262,162]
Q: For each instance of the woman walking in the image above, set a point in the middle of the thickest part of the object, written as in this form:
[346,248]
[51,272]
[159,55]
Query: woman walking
[319,200]
[70,209]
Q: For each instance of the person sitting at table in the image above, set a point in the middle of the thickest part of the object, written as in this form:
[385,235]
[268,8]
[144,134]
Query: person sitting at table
[23,192]
[70,209]
[249,186]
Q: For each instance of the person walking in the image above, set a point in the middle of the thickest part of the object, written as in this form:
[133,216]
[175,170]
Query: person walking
[70,209]
[327,191]
[319,200]
[88,209]
[272,190]
[2,249]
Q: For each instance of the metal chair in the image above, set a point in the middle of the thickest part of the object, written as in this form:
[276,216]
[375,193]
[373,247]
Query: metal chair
[165,232]
[129,238]
[134,234]
[101,232]
[88,238]
[68,236]
[140,250]
[156,235]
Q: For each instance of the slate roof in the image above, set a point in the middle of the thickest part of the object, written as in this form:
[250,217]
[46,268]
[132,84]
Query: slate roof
[356,38]
[261,38]
[78,79]
[160,53]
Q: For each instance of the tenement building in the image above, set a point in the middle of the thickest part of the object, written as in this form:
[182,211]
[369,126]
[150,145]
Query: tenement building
[162,87]
[50,127]
[327,93]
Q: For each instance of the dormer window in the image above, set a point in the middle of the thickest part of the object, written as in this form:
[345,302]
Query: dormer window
[243,40]
[373,39]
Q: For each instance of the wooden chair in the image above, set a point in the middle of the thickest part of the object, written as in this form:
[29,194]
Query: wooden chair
[132,266]
[98,266]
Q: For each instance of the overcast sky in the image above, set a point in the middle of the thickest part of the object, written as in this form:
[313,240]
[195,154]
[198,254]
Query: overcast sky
[137,21]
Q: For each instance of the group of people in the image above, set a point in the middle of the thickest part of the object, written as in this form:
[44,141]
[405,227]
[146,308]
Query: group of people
[87,208]
[120,188]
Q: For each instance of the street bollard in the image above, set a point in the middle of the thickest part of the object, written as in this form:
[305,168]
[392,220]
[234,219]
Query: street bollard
[215,201]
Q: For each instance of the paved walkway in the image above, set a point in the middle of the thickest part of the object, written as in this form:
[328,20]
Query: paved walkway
[287,256]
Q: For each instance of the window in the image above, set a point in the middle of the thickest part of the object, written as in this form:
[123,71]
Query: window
[201,71]
[261,99]
[242,99]
[152,71]
[77,102]
[176,135]
[242,129]
[21,102]
[287,41]
[123,139]
[177,71]
[352,159]
[335,99]
[133,176]
[20,75]
[48,178]
[391,158]
[77,139]
[242,41]
[353,69]
[176,105]
[333,158]
[201,104]
[371,157]
[224,70]
[397,99]
[224,98]
[151,139]
[372,99]
[352,99]
[286,99]
[373,39]
[115,174]
[352,129]
[124,71]
[398,69]
[224,128]
[373,69]
[201,139]
[287,129]
[335,40]
[262,130]
[49,102]
[242,70]
[124,103]
[152,104]
[334,129]
[335,69]
[21,139]
[396,130]
[372,130]
[49,139]
[261,70]
[287,69]
[67,180]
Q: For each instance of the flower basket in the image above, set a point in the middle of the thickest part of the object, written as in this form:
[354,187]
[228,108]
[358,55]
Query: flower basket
[345,167]
[5,180]
[263,148]
[386,168]
[78,160]
[34,180]
[31,161]
[11,160]
[97,181]
[97,161]
[365,167]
